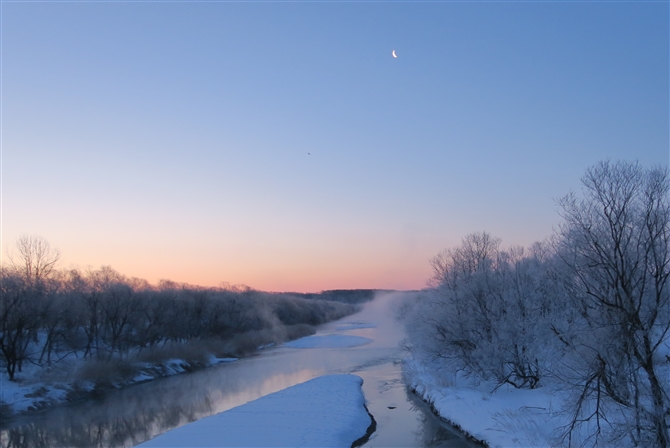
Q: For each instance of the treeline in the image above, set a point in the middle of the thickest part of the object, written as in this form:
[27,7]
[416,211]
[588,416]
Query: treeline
[587,311]
[47,315]
[342,295]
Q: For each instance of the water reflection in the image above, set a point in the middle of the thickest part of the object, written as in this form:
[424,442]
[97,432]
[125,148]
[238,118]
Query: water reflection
[128,417]
[123,419]
[403,419]
[432,430]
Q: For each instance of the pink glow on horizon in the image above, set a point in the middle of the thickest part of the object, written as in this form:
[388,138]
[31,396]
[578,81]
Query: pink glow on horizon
[269,274]
[275,283]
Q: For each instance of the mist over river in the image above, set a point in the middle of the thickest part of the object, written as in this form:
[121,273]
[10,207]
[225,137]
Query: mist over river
[133,415]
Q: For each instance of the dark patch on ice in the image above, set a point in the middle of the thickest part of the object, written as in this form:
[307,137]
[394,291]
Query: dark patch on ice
[391,407]
[372,363]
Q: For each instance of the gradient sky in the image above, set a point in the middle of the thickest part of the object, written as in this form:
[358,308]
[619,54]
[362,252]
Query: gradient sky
[171,140]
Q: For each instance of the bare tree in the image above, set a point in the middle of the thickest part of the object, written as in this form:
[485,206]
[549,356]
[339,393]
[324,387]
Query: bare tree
[23,303]
[19,320]
[615,245]
[36,258]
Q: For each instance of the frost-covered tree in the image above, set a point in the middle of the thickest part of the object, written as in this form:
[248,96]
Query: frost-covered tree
[591,310]
[488,313]
[615,248]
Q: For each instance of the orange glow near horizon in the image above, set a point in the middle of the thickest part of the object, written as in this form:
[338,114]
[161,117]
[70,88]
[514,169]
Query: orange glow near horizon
[275,282]
[300,273]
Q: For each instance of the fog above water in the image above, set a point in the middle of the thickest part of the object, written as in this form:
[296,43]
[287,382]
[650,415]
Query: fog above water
[130,416]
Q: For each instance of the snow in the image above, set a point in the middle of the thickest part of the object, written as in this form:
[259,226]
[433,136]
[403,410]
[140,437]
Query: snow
[508,417]
[29,392]
[328,341]
[215,360]
[21,396]
[141,377]
[326,411]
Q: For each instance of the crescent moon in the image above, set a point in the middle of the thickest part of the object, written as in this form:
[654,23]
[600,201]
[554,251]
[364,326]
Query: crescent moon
[393,53]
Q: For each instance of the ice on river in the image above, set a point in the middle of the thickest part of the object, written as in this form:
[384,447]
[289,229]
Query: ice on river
[328,341]
[326,411]
[356,325]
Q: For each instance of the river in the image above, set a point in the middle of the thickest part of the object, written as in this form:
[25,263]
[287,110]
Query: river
[130,416]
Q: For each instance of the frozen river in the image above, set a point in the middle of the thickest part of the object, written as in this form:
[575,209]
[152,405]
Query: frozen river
[136,414]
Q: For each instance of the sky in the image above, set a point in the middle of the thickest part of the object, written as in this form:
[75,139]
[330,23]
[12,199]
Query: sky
[280,145]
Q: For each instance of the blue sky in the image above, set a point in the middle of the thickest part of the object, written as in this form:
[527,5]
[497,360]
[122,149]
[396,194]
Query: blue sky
[171,140]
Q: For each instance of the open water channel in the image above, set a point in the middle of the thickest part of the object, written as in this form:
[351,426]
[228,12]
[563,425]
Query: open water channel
[131,416]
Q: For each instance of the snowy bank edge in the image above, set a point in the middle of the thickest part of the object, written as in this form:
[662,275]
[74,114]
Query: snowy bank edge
[426,398]
[325,411]
[478,413]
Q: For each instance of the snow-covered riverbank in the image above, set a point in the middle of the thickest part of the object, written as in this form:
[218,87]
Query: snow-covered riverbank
[326,411]
[506,417]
